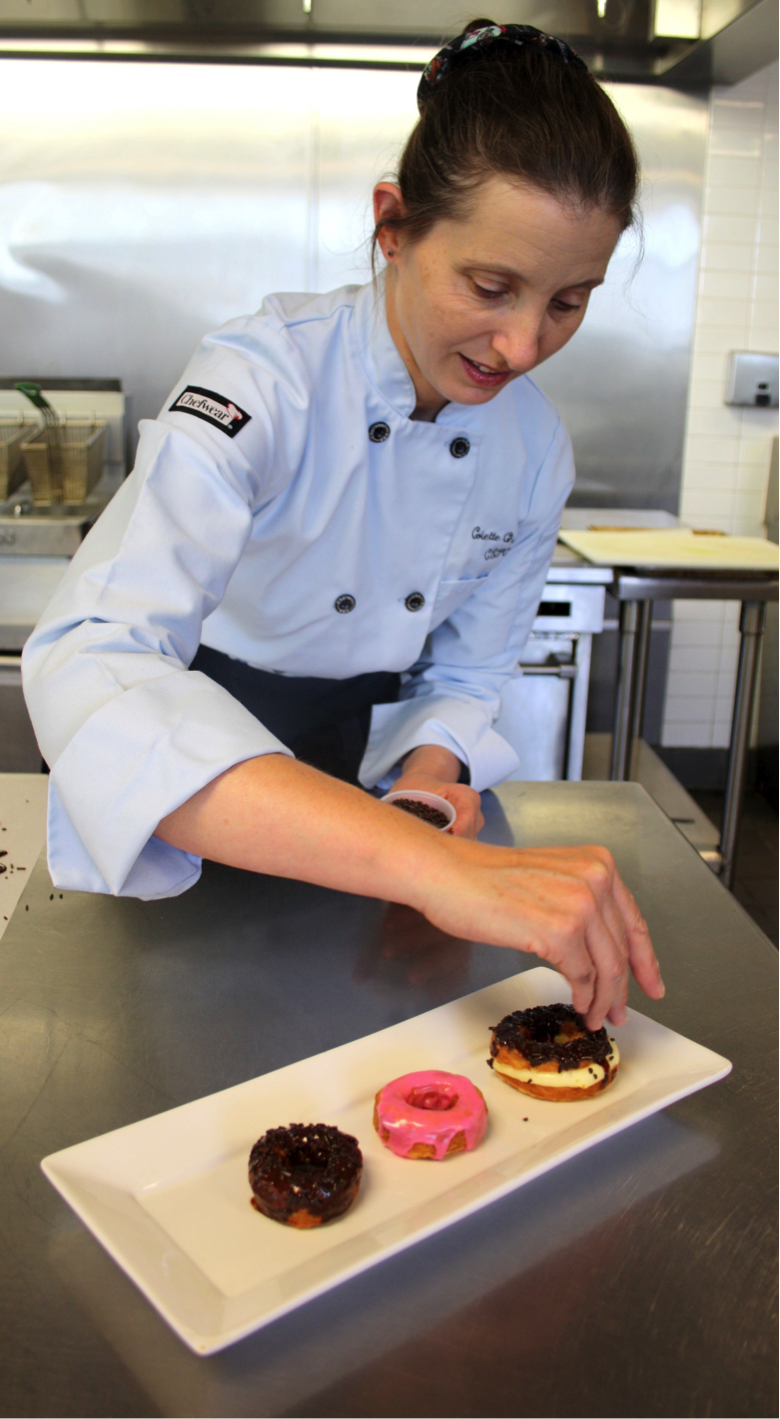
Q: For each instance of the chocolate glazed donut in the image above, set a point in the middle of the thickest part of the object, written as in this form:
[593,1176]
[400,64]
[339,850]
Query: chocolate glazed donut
[306,1174]
[534,1050]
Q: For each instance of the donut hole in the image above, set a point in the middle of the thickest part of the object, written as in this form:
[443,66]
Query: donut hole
[435,1097]
[568,1032]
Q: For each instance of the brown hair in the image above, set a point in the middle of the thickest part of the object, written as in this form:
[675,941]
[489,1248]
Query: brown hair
[519,112]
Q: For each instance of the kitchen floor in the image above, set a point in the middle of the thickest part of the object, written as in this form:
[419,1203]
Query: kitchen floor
[755,882]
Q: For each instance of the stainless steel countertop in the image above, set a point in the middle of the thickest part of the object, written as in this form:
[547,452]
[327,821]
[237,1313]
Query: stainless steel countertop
[636,1279]
[567,566]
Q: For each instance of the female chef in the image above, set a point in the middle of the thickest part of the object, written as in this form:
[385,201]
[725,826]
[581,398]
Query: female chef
[323,569]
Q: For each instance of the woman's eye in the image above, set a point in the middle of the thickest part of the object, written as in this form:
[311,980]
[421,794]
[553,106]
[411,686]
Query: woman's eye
[489,293]
[566,306]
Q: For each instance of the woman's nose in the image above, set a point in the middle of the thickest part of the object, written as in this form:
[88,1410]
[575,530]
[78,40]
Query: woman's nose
[517,342]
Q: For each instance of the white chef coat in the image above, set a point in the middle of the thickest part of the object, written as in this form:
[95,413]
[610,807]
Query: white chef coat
[283,475]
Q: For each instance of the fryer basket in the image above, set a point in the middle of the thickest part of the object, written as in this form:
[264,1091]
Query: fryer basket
[79,452]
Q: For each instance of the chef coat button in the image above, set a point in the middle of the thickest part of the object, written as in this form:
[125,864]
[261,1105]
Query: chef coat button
[459,447]
[344,603]
[414,601]
[378,432]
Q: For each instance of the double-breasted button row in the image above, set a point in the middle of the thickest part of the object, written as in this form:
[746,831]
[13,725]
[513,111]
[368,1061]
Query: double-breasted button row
[380,431]
[346,602]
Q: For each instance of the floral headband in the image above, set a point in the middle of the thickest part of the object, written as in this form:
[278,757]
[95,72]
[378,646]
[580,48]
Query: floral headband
[478,41]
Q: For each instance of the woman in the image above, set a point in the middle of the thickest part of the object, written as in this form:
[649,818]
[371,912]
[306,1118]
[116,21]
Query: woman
[334,542]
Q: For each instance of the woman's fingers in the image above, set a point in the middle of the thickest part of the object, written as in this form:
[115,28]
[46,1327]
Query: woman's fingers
[625,924]
[613,917]
[466,803]
[642,957]
[611,961]
[598,974]
[554,930]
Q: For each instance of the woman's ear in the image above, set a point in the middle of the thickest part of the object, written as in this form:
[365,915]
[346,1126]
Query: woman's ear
[388,203]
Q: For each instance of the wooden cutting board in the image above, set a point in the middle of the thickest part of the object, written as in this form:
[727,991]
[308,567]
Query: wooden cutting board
[673,547]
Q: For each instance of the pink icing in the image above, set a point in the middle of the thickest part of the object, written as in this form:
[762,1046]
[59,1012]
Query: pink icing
[430,1107]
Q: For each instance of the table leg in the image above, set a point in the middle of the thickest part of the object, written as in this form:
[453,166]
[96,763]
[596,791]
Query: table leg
[621,728]
[751,624]
[640,672]
[578,707]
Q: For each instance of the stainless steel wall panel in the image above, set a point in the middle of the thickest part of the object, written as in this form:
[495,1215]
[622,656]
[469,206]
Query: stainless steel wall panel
[362,118]
[622,384]
[142,205]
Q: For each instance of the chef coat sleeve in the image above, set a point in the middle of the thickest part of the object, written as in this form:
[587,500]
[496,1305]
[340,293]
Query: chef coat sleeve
[128,731]
[453,695]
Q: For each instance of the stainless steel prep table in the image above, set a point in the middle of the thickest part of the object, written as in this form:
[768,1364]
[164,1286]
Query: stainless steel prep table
[636,1279]
[636,590]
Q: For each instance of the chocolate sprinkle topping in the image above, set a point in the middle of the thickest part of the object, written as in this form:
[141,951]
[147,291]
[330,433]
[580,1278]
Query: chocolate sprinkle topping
[532,1033]
[310,1166]
[426,811]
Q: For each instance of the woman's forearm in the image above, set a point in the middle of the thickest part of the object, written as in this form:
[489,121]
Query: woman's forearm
[276,815]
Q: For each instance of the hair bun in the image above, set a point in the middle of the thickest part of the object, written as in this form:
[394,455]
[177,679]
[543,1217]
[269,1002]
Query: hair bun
[479,38]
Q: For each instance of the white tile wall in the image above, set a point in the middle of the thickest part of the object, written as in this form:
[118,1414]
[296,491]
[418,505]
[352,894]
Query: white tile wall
[726,458]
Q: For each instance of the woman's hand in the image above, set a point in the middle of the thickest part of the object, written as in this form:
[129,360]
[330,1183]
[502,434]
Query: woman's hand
[568,906]
[435,770]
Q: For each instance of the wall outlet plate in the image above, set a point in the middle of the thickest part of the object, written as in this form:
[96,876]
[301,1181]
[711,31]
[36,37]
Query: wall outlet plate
[752,380]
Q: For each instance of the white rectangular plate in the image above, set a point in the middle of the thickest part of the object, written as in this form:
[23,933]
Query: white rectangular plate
[169,1198]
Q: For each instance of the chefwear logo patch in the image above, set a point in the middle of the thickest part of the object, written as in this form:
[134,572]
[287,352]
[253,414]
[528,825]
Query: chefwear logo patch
[212,408]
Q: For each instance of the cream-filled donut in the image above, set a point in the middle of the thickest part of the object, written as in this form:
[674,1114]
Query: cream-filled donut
[549,1053]
[430,1114]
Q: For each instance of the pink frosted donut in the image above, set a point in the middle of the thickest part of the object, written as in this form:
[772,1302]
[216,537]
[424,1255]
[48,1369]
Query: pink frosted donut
[430,1114]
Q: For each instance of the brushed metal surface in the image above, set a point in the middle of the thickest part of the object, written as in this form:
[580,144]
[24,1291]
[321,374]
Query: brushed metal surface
[36,535]
[143,205]
[622,384]
[636,1280]
[696,586]
[623,41]
[27,584]
[570,608]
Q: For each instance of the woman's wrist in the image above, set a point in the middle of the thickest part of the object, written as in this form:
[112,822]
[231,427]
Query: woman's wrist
[434,761]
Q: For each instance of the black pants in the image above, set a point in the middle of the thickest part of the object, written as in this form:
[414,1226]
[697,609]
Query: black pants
[324,722]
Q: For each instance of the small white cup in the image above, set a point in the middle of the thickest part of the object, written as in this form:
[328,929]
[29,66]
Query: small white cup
[418,795]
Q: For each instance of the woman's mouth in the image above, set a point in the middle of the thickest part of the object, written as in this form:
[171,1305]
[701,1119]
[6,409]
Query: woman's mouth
[482,375]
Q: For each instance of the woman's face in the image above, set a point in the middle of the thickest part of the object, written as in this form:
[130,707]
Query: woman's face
[480,301]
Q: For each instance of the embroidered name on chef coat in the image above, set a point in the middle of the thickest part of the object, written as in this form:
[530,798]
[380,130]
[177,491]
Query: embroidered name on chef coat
[212,408]
[480,535]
